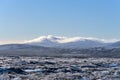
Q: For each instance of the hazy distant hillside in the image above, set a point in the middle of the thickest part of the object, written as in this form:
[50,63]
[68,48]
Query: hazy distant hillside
[65,42]
[29,50]
[63,46]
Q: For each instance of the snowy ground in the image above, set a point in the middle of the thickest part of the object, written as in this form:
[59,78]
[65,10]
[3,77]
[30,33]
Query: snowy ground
[56,68]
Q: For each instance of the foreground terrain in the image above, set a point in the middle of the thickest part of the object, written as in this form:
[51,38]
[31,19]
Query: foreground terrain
[57,68]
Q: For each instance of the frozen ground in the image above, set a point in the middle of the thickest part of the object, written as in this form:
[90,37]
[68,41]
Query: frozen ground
[57,68]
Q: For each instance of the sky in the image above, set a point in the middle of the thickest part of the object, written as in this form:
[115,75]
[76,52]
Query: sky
[27,19]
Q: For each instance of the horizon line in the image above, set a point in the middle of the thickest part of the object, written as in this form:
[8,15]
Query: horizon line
[65,37]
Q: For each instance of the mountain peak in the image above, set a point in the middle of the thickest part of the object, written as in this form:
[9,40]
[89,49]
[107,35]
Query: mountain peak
[62,39]
[55,41]
[70,42]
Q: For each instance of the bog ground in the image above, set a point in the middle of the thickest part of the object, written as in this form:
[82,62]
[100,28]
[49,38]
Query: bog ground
[54,68]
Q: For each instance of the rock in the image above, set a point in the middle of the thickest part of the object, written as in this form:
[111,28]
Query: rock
[16,70]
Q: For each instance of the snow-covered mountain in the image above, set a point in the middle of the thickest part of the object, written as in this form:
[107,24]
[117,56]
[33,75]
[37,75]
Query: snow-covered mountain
[64,42]
[67,42]
[63,46]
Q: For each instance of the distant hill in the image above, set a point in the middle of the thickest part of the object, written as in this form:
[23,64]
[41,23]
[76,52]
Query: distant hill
[64,42]
[62,46]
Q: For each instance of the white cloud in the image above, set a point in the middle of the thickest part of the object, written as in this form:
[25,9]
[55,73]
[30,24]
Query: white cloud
[59,39]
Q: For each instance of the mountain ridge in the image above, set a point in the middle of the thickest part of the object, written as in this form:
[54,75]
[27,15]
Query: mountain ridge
[69,42]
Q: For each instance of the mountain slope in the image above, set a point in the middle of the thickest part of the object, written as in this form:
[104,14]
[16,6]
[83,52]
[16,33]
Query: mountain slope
[114,45]
[18,46]
[62,46]
[65,42]
[28,50]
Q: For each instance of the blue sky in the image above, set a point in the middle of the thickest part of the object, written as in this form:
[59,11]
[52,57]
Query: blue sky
[27,19]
